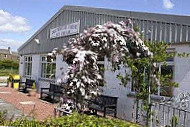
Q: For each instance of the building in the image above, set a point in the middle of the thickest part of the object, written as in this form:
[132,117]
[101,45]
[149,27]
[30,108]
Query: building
[71,20]
[7,54]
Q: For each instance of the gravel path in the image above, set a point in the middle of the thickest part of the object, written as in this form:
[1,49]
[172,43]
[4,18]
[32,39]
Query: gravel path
[31,106]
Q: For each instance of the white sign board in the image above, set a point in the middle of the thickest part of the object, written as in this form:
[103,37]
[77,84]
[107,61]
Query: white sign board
[66,30]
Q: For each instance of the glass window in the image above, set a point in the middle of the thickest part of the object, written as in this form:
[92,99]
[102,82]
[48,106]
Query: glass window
[5,56]
[48,67]
[167,69]
[28,65]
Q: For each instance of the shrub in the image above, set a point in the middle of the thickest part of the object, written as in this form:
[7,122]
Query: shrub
[8,64]
[8,67]
[74,120]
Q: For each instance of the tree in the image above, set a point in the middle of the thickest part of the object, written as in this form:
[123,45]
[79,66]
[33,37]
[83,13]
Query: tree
[146,75]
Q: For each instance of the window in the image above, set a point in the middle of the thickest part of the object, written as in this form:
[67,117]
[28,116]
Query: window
[5,56]
[167,69]
[27,65]
[48,66]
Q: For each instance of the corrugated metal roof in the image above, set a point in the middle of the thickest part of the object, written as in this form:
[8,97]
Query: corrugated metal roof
[161,23]
[140,15]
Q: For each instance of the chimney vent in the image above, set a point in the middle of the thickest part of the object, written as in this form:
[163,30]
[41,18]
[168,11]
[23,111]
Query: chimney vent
[9,49]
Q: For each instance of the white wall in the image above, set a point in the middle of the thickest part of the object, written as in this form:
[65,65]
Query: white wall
[36,69]
[61,67]
[21,66]
[182,69]
[125,103]
[113,88]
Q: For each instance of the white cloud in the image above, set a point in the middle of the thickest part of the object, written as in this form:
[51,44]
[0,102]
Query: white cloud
[5,43]
[11,23]
[167,4]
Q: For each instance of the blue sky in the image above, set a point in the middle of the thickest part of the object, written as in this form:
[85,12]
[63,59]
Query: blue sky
[19,19]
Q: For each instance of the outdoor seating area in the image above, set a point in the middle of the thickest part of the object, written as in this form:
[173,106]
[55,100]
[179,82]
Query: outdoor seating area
[94,66]
[53,92]
[25,86]
[105,104]
[30,106]
[54,95]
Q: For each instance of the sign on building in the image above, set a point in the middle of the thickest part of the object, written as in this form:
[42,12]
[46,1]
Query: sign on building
[66,30]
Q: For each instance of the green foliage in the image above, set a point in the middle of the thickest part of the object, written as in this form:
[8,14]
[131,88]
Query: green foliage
[145,70]
[8,64]
[174,121]
[7,72]
[10,78]
[8,67]
[146,75]
[74,120]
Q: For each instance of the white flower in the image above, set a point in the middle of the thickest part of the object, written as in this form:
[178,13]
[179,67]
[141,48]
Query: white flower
[82,90]
[78,84]
[138,54]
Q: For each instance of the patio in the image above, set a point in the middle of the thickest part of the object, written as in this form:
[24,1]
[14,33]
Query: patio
[30,106]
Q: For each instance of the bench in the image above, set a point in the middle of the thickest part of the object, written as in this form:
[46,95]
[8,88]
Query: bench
[53,91]
[105,104]
[26,85]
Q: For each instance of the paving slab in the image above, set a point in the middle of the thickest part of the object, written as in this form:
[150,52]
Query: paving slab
[11,112]
[28,105]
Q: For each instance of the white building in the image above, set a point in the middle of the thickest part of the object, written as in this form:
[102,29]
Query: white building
[54,34]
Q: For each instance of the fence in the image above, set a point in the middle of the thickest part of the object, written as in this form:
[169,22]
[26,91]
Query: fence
[170,113]
[164,114]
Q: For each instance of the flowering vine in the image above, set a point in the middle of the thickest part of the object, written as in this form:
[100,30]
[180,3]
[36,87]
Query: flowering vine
[115,41]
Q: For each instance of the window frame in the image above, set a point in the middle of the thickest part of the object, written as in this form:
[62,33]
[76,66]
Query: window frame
[5,55]
[168,63]
[27,61]
[44,74]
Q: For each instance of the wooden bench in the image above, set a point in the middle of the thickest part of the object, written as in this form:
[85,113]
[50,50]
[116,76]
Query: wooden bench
[105,104]
[23,86]
[53,91]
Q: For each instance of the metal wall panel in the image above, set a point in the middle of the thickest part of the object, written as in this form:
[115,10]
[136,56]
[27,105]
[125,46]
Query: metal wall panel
[151,29]
[188,34]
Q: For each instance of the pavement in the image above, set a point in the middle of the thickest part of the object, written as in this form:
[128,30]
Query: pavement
[3,81]
[11,112]
[19,103]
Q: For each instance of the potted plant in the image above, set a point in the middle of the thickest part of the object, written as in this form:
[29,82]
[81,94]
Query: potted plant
[32,92]
[9,81]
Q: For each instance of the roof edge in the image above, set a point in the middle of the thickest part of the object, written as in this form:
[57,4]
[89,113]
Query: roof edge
[94,10]
[41,28]
[86,9]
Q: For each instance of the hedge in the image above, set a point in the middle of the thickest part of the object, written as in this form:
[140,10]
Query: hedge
[8,64]
[74,120]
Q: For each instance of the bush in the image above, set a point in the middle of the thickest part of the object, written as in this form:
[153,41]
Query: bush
[8,67]
[9,64]
[74,120]
[7,72]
